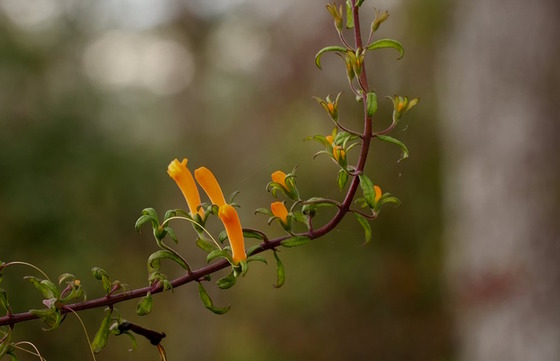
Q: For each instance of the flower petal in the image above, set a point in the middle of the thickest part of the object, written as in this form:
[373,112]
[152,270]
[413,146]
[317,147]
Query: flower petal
[279,210]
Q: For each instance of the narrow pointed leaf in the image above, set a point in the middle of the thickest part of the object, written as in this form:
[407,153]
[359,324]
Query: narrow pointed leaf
[156,257]
[280,272]
[367,188]
[325,50]
[145,304]
[227,281]
[206,245]
[387,43]
[295,241]
[403,147]
[102,335]
[208,303]
[365,225]
[349,15]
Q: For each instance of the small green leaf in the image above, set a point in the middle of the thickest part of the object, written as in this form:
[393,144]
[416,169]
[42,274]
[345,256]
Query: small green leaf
[227,281]
[217,253]
[365,225]
[5,346]
[101,275]
[47,288]
[349,15]
[387,43]
[403,147]
[257,259]
[49,316]
[325,50]
[342,179]
[208,303]
[155,259]
[252,249]
[145,304]
[295,241]
[371,104]
[206,245]
[367,188]
[4,300]
[102,335]
[280,273]
[248,233]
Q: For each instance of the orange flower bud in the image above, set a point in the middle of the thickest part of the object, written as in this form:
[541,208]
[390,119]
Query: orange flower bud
[179,172]
[279,177]
[338,152]
[231,222]
[378,193]
[279,210]
[208,182]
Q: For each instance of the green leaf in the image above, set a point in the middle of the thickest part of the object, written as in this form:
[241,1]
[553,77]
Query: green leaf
[342,179]
[49,316]
[208,303]
[155,259]
[4,301]
[371,104]
[387,43]
[403,147]
[101,275]
[145,304]
[365,225]
[102,335]
[316,202]
[5,346]
[280,273]
[325,50]
[349,15]
[252,249]
[47,288]
[206,245]
[367,188]
[295,241]
[247,233]
[257,259]
[218,253]
[227,281]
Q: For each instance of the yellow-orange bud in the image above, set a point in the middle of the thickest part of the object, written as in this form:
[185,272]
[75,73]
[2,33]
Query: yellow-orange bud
[279,177]
[338,152]
[208,182]
[231,222]
[179,172]
[378,193]
[279,210]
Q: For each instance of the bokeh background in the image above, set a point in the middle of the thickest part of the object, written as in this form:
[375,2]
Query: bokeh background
[96,98]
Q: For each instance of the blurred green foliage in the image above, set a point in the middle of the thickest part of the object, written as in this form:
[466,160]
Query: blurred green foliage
[80,159]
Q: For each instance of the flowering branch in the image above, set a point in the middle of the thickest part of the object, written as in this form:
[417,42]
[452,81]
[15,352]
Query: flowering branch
[336,146]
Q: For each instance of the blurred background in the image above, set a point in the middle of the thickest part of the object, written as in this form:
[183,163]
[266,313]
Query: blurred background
[97,97]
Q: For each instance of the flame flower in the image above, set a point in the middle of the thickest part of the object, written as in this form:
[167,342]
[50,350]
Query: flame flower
[228,214]
[184,179]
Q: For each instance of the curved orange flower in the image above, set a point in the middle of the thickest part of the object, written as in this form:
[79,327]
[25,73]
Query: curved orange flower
[179,172]
[231,222]
[208,182]
[226,213]
[279,210]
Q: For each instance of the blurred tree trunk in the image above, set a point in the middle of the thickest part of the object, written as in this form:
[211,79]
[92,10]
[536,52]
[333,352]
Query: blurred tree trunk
[500,93]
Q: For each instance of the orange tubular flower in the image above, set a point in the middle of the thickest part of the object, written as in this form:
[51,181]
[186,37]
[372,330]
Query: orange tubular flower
[208,182]
[279,177]
[184,179]
[231,222]
[279,210]
[228,214]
